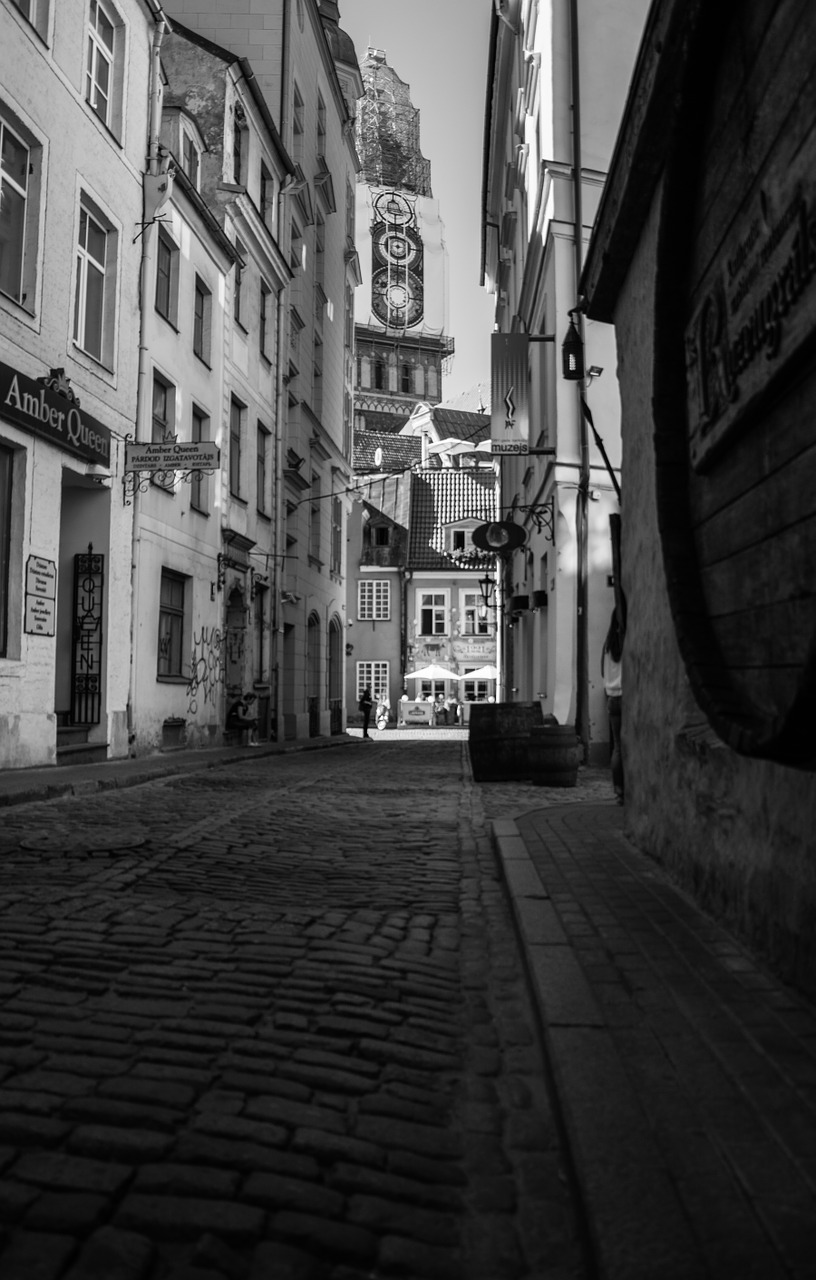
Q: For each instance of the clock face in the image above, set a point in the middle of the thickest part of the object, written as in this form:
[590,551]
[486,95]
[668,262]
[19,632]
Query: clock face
[397,292]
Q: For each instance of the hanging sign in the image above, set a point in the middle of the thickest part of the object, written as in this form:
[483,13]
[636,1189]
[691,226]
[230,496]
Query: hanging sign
[510,414]
[169,455]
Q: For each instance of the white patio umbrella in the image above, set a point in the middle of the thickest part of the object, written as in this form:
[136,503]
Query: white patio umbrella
[433,672]
[481,673]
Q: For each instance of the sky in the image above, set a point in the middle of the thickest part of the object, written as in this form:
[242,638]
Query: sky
[439,47]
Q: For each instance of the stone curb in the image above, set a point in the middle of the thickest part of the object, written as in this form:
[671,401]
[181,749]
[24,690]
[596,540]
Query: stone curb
[636,1224]
[23,789]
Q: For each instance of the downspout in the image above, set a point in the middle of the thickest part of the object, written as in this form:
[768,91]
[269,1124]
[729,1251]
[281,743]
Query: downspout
[276,618]
[582,594]
[145,269]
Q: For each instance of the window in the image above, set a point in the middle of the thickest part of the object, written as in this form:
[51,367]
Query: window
[321,125]
[314,520]
[6,472]
[94,285]
[199,494]
[433,613]
[239,282]
[336,535]
[473,617]
[379,375]
[458,539]
[171,623]
[239,129]
[99,74]
[164,421]
[262,471]
[474,690]
[373,676]
[317,370]
[236,440]
[14,167]
[259,610]
[373,599]
[405,378]
[296,247]
[190,156]
[202,320]
[167,260]
[381,535]
[320,258]
[264,310]
[297,126]
[268,198]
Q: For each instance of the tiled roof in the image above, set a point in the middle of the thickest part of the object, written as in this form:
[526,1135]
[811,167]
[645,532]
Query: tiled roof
[398,452]
[439,499]
[461,425]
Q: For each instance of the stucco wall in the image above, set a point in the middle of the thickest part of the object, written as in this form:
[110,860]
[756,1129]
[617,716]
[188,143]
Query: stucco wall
[738,832]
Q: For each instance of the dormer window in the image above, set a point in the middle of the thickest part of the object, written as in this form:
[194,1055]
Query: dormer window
[190,156]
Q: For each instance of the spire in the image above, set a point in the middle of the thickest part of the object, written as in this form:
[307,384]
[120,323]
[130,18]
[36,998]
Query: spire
[388,131]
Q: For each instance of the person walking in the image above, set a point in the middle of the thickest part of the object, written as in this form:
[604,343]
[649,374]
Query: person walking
[365,705]
[611,672]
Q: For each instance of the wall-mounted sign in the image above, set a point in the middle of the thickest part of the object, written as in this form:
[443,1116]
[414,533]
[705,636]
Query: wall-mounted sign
[509,417]
[169,455]
[41,409]
[40,596]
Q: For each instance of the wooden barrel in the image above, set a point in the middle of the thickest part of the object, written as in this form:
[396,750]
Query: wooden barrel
[499,739]
[554,755]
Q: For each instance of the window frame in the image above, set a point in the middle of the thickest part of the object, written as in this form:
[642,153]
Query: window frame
[374,600]
[199,488]
[237,419]
[90,211]
[178,626]
[165,244]
[202,321]
[112,56]
[163,428]
[238,283]
[336,563]
[315,519]
[263,438]
[190,150]
[374,674]
[25,194]
[434,608]
[264,314]
[478,625]
[6,500]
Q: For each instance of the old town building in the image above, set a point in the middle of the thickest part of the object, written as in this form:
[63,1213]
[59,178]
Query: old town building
[704,258]
[78,102]
[557,78]
[306,71]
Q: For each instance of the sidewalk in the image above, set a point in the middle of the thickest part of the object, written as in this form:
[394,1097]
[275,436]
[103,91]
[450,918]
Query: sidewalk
[685,1073]
[20,786]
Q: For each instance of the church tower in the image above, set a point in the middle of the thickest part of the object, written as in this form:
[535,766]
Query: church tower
[401,307]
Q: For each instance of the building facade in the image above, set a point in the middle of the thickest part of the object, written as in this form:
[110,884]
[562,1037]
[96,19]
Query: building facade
[711,285]
[69,309]
[306,71]
[557,78]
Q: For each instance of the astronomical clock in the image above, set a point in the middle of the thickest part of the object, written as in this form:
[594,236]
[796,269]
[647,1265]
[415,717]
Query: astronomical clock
[397,288]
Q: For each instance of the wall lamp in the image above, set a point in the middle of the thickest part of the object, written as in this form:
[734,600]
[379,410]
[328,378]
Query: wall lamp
[487,587]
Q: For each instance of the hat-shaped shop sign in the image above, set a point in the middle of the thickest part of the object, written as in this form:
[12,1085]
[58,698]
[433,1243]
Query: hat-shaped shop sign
[499,537]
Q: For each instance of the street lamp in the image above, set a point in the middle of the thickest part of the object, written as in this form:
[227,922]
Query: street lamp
[572,353]
[487,587]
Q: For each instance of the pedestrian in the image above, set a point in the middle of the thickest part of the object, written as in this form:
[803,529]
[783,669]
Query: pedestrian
[611,672]
[240,717]
[365,705]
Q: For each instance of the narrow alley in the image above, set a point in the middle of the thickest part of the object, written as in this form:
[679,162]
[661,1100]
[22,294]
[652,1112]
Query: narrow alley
[268,1021]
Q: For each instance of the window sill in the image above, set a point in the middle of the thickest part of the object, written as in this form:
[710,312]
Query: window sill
[168,320]
[264,515]
[88,355]
[203,360]
[172,679]
[236,497]
[200,511]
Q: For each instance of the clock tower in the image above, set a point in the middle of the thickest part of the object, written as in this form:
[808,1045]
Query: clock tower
[401,307]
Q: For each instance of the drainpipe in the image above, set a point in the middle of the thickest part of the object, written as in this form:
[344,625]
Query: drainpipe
[582,594]
[142,399]
[278,548]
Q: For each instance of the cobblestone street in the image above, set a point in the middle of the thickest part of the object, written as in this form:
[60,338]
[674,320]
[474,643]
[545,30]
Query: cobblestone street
[268,1022]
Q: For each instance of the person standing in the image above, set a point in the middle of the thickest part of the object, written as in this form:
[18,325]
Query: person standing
[611,672]
[365,705]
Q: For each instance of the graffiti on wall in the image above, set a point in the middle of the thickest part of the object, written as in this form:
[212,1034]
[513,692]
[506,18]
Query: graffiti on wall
[208,668]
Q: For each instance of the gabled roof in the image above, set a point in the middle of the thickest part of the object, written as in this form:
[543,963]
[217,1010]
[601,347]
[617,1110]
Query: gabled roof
[398,452]
[443,498]
[445,423]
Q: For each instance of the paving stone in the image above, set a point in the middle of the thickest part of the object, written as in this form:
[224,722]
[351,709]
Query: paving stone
[113,1254]
[331,1146]
[284,1262]
[31,1131]
[107,1142]
[274,1191]
[120,1114]
[181,1217]
[36,1255]
[388,1132]
[385,1217]
[15,1199]
[70,1173]
[402,1256]
[181,1180]
[337,1239]
[159,1093]
[237,1128]
[295,1114]
[244,1156]
[410,1165]
[73,1212]
[352,1178]
[418,1059]
[209,1251]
